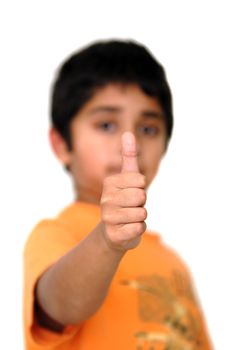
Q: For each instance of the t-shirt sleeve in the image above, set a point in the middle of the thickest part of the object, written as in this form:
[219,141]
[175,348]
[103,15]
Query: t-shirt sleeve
[187,319]
[48,242]
[205,340]
[193,304]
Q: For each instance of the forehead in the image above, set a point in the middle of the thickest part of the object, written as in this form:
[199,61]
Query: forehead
[120,97]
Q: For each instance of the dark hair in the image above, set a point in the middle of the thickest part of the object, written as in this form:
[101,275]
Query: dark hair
[97,65]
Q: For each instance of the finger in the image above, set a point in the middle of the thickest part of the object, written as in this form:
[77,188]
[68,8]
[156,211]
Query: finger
[124,180]
[130,197]
[124,215]
[133,230]
[129,153]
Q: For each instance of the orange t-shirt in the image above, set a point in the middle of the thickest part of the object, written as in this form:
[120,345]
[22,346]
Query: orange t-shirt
[150,303]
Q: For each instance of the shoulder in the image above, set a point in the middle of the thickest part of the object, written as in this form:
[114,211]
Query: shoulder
[66,229]
[79,212]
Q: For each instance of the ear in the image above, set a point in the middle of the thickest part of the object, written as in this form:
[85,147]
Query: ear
[59,147]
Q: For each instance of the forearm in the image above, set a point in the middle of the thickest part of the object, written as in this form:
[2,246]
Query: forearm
[75,287]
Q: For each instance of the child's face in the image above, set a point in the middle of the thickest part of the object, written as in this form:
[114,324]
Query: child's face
[96,137]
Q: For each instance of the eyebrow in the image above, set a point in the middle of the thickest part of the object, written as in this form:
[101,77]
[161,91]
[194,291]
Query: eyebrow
[150,113]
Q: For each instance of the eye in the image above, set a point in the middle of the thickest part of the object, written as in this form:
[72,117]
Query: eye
[107,126]
[149,130]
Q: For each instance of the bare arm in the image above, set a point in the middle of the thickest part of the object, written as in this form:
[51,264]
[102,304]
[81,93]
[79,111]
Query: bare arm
[75,287]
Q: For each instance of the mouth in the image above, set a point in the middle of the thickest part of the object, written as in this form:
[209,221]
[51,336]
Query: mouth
[114,170]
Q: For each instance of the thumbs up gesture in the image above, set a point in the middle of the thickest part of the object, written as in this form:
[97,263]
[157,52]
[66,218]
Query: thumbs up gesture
[122,201]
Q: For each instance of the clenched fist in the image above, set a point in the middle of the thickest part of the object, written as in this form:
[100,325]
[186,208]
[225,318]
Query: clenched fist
[122,201]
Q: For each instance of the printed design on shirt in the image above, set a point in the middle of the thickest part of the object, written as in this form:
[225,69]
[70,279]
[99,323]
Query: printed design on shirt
[163,301]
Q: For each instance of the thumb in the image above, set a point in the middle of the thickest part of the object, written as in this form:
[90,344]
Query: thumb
[129,153]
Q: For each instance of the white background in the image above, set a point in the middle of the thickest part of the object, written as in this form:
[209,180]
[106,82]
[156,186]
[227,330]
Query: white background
[191,203]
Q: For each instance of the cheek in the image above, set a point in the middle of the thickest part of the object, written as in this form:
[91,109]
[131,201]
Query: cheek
[90,163]
[152,163]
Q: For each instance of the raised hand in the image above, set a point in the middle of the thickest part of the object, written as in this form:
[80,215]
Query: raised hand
[122,201]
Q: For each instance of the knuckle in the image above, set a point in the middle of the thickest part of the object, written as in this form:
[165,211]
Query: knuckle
[142,196]
[106,200]
[139,228]
[143,214]
[142,181]
[106,216]
[103,201]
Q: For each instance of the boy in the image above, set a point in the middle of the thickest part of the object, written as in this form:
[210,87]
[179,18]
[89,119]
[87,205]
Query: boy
[94,279]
